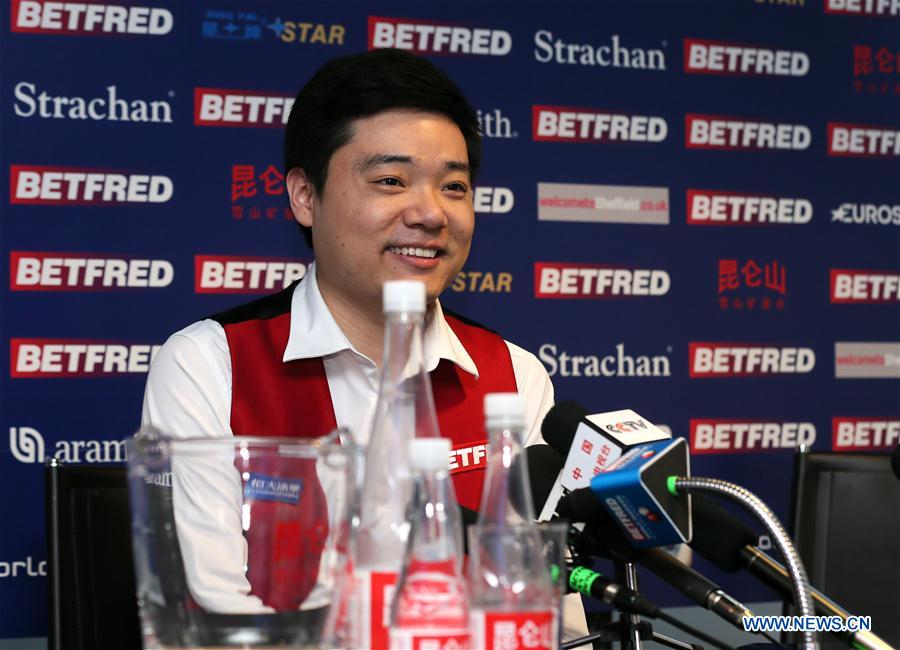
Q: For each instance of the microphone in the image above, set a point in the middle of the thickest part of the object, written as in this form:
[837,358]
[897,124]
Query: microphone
[730,544]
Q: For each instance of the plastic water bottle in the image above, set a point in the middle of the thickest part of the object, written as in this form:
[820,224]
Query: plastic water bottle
[404,410]
[431,607]
[511,596]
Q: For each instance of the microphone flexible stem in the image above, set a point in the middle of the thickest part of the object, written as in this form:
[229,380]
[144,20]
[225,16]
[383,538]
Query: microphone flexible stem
[755,505]
[689,629]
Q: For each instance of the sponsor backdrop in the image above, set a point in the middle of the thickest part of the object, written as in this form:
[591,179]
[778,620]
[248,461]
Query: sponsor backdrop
[688,209]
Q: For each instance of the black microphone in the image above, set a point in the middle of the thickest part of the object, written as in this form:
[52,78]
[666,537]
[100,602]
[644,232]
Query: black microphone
[730,544]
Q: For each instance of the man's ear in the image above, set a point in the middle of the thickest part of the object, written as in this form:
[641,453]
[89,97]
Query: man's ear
[302,195]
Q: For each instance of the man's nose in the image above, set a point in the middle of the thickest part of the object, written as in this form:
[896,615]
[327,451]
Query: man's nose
[425,210]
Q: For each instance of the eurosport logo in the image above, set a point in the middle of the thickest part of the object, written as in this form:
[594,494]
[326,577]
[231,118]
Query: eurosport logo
[881,8]
[709,360]
[725,58]
[741,134]
[88,19]
[714,436]
[612,53]
[429,38]
[63,358]
[603,203]
[482,282]
[46,185]
[241,108]
[861,286]
[564,124]
[562,280]
[27,446]
[46,271]
[614,363]
[863,360]
[862,141]
[245,274]
[867,214]
[110,107]
[719,208]
[864,433]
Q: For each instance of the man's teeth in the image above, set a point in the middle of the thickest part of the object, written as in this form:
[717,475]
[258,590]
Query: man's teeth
[413,252]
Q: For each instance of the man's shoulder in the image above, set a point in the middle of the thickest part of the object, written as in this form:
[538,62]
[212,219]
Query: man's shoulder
[265,308]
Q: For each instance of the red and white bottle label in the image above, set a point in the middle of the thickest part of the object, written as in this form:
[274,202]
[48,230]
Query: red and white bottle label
[513,630]
[376,590]
[432,612]
[425,639]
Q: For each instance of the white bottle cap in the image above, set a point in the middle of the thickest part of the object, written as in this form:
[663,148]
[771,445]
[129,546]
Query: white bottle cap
[506,410]
[404,295]
[430,454]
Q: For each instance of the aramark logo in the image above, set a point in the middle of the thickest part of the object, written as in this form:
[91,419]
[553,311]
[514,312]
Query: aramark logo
[495,125]
[867,213]
[27,446]
[617,364]
[110,107]
[611,54]
[40,17]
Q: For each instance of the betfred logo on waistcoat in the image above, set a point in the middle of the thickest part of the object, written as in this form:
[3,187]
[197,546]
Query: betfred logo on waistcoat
[863,434]
[35,358]
[40,17]
[562,124]
[717,208]
[863,286]
[747,360]
[740,134]
[883,8]
[468,456]
[247,108]
[721,57]
[741,436]
[45,271]
[428,37]
[243,274]
[43,185]
[565,280]
[860,140]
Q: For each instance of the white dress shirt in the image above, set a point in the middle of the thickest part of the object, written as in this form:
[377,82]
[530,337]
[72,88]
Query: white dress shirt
[188,395]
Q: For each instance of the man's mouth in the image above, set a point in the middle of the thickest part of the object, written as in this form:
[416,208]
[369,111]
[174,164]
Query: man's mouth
[409,251]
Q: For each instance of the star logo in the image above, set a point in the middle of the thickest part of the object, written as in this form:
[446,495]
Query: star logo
[277,27]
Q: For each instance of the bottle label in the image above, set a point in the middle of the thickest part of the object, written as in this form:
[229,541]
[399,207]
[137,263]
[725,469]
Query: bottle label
[432,612]
[428,639]
[376,591]
[513,630]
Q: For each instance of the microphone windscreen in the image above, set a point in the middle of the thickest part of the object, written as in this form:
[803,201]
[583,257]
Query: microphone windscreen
[544,466]
[895,462]
[560,423]
[719,536]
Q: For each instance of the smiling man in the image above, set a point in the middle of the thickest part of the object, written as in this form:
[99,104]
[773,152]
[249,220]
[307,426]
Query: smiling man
[381,152]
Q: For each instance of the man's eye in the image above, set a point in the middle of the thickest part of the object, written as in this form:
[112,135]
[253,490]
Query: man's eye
[457,187]
[389,181]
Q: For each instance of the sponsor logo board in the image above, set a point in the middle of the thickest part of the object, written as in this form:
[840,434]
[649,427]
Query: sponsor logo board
[615,363]
[245,274]
[717,436]
[865,360]
[867,214]
[58,358]
[708,360]
[864,433]
[864,286]
[571,280]
[882,8]
[859,140]
[241,108]
[564,124]
[613,53]
[725,58]
[482,282]
[428,37]
[27,568]
[27,446]
[305,32]
[741,134]
[494,124]
[46,271]
[111,107]
[80,18]
[603,203]
[493,200]
[875,70]
[718,208]
[46,185]
[746,285]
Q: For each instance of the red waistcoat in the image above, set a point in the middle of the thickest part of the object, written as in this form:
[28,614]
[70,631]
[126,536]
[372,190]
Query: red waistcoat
[270,397]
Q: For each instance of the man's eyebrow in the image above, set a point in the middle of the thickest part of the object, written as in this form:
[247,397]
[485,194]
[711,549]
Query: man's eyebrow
[457,166]
[381,159]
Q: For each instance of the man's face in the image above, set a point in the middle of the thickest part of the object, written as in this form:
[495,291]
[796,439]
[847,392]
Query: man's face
[397,204]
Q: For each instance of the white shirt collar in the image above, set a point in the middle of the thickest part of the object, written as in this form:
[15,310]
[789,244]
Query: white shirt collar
[315,333]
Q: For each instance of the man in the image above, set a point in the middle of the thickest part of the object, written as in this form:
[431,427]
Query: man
[381,152]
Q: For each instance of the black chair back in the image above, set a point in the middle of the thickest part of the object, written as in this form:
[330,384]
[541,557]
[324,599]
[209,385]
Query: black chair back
[92,603]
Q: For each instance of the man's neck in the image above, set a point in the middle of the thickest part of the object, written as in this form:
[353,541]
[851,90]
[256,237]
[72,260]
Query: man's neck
[362,324]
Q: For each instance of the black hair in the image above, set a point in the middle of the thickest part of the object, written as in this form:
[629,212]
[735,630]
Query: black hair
[359,85]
